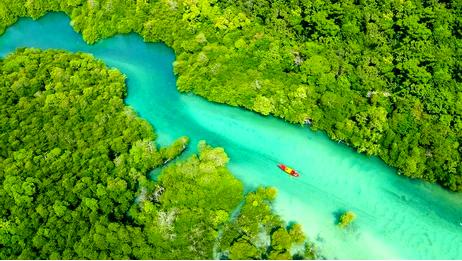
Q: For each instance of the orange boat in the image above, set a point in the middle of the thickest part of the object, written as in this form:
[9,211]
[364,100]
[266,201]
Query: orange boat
[289,170]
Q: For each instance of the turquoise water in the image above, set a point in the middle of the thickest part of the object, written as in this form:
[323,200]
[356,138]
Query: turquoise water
[397,217]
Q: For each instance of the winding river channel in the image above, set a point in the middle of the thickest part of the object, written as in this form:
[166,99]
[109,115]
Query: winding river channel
[396,217]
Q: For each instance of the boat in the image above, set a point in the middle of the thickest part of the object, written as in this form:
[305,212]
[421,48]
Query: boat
[289,170]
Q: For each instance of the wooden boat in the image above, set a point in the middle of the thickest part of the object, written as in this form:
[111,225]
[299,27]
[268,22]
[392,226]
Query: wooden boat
[289,170]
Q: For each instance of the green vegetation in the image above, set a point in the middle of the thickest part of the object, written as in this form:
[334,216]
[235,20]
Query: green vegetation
[382,76]
[181,214]
[346,219]
[71,159]
[73,168]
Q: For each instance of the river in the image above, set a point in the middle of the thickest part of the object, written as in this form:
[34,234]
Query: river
[396,217]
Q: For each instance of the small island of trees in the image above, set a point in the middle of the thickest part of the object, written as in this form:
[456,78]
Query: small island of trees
[346,219]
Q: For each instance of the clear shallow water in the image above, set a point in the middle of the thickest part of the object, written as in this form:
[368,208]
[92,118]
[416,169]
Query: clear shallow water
[397,217]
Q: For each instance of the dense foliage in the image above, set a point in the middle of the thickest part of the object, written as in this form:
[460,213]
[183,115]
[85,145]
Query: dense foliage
[71,157]
[73,166]
[182,212]
[382,76]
